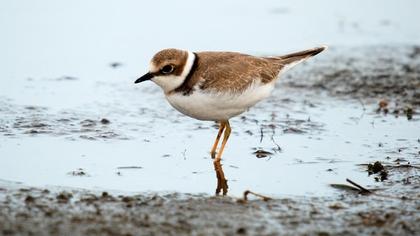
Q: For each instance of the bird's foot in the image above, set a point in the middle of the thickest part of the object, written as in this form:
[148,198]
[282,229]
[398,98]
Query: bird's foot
[222,185]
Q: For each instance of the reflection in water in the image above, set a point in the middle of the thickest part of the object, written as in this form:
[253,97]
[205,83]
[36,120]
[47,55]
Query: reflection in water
[221,180]
[224,127]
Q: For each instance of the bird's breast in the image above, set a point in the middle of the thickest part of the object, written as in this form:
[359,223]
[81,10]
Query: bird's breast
[217,106]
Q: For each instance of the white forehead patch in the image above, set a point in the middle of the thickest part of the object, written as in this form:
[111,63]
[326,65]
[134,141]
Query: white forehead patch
[152,66]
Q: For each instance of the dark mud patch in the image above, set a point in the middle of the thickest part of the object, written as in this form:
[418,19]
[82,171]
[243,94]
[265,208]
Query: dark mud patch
[260,153]
[115,65]
[33,121]
[380,72]
[78,172]
[129,167]
[105,121]
[67,78]
[377,169]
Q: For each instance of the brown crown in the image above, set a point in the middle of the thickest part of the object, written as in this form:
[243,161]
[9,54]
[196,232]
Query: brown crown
[170,56]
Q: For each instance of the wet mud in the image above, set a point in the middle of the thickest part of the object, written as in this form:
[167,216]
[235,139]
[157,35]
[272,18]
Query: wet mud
[389,210]
[387,73]
[34,120]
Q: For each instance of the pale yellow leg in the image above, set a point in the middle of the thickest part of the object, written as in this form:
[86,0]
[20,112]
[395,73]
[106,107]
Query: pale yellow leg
[221,180]
[222,126]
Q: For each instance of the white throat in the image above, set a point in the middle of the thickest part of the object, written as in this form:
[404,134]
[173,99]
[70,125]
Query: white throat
[171,82]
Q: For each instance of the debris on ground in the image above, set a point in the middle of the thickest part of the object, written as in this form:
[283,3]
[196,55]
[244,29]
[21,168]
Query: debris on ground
[379,169]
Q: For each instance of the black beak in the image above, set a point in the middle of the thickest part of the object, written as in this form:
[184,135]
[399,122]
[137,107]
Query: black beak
[147,76]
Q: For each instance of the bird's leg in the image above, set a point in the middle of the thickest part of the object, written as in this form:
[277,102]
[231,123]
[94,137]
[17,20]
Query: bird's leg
[222,126]
[221,180]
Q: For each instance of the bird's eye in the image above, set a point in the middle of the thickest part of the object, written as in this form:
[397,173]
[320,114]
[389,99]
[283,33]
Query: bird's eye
[167,69]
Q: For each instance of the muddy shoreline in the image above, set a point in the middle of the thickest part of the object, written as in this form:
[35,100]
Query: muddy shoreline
[393,209]
[369,74]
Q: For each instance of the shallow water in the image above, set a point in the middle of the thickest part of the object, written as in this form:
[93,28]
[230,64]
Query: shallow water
[314,140]
[56,85]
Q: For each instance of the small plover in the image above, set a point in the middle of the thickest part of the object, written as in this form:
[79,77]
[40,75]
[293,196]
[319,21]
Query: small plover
[217,86]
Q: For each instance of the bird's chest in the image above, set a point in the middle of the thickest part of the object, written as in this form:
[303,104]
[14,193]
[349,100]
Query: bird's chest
[199,105]
[217,106]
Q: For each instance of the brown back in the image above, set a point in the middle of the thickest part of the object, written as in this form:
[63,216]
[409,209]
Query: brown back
[235,72]
[230,71]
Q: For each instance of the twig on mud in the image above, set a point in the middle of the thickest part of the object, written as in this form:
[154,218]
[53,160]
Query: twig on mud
[362,189]
[403,166]
[264,198]
[278,149]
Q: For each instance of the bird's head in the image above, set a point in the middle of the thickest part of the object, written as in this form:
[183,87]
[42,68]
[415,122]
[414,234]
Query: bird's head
[169,68]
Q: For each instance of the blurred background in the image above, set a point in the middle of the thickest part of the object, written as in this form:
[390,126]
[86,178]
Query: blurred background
[50,38]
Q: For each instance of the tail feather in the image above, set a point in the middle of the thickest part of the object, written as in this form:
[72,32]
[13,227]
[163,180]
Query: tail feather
[290,60]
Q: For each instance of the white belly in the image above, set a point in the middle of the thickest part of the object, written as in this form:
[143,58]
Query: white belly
[218,106]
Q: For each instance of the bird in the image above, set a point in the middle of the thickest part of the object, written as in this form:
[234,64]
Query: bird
[217,86]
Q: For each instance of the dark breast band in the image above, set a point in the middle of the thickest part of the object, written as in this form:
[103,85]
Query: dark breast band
[186,88]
